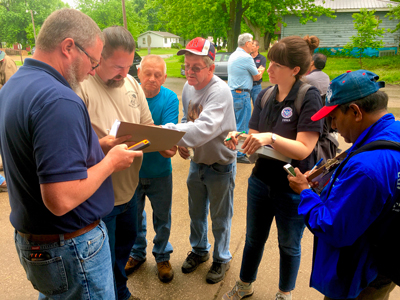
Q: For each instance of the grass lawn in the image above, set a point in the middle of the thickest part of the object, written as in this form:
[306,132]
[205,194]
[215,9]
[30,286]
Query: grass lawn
[174,66]
[158,51]
[388,68]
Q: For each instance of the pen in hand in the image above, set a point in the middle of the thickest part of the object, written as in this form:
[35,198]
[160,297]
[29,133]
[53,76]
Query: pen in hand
[228,139]
[316,165]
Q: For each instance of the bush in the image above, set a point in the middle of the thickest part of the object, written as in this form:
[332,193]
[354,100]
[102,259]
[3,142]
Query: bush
[176,46]
[181,58]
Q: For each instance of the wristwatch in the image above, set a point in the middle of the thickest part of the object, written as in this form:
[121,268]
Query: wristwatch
[273,138]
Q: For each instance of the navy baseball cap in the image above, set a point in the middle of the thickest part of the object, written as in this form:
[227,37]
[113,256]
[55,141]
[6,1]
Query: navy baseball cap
[199,46]
[349,87]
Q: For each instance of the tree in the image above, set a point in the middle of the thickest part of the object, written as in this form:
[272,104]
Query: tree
[107,13]
[15,17]
[394,13]
[222,18]
[367,32]
[263,18]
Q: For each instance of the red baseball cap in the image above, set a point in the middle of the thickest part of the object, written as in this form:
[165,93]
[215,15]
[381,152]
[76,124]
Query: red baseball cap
[199,46]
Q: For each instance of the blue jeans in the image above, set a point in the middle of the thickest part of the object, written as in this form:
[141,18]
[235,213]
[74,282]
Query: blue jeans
[78,268]
[242,106]
[254,92]
[159,192]
[211,187]
[262,205]
[122,230]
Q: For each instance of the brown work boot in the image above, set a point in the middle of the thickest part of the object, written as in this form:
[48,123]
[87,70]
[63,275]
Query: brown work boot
[165,272]
[133,265]
[3,187]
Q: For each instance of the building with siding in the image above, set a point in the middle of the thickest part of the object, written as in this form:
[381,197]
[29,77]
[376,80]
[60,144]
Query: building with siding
[159,39]
[336,33]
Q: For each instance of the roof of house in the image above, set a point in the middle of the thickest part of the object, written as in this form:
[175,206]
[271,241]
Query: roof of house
[356,5]
[161,33]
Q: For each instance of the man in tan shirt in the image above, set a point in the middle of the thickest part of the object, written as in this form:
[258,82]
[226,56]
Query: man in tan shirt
[109,95]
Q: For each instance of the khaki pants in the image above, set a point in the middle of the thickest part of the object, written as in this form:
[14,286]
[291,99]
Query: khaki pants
[379,289]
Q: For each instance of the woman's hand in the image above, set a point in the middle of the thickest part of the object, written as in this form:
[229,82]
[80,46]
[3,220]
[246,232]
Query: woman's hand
[255,140]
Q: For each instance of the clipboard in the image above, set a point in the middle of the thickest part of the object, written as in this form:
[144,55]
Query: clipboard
[160,138]
[263,151]
[323,174]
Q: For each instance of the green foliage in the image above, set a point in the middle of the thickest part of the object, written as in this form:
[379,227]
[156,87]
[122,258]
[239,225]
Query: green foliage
[368,31]
[174,66]
[176,46]
[107,13]
[394,13]
[222,18]
[16,21]
[338,53]
[388,68]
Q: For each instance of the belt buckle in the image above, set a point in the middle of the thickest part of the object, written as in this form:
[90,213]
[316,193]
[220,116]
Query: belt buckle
[238,91]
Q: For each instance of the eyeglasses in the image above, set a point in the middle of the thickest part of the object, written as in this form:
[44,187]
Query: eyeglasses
[194,69]
[95,63]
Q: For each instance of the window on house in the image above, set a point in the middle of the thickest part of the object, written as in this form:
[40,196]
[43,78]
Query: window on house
[144,41]
[165,40]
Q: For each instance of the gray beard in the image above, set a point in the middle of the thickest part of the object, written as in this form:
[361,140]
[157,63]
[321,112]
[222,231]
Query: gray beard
[72,76]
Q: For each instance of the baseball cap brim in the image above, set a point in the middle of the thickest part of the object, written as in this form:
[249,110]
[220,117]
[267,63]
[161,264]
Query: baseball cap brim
[182,51]
[323,112]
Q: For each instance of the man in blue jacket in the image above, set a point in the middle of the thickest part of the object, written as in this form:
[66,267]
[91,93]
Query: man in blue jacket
[344,263]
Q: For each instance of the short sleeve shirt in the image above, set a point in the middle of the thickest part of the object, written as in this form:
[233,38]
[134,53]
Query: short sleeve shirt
[284,120]
[260,60]
[105,105]
[46,137]
[164,109]
[241,69]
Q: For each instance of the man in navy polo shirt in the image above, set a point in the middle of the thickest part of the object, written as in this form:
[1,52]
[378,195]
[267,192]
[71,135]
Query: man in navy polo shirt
[241,73]
[260,61]
[58,177]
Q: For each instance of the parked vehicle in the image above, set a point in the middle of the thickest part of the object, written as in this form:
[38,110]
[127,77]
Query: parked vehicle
[133,69]
[221,65]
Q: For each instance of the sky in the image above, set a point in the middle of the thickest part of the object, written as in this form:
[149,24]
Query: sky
[70,2]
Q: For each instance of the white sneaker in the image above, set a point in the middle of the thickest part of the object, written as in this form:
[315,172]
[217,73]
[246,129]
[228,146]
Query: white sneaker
[281,296]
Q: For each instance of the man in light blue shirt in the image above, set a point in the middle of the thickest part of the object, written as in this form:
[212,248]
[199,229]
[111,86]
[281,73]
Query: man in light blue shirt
[242,72]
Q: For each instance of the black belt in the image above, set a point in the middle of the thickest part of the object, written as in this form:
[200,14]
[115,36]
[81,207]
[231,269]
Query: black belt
[256,83]
[242,90]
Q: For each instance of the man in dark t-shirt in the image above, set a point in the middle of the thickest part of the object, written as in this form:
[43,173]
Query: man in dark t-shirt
[259,60]
[57,175]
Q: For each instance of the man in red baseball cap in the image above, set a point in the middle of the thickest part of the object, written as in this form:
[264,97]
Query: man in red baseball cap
[352,218]
[208,118]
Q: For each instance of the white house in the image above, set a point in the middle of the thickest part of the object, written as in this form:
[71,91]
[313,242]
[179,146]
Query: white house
[159,39]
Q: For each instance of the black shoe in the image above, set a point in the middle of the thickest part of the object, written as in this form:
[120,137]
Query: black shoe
[193,261]
[217,272]
[243,160]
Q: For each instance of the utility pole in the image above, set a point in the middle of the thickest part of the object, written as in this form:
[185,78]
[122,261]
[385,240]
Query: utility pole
[124,14]
[33,24]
